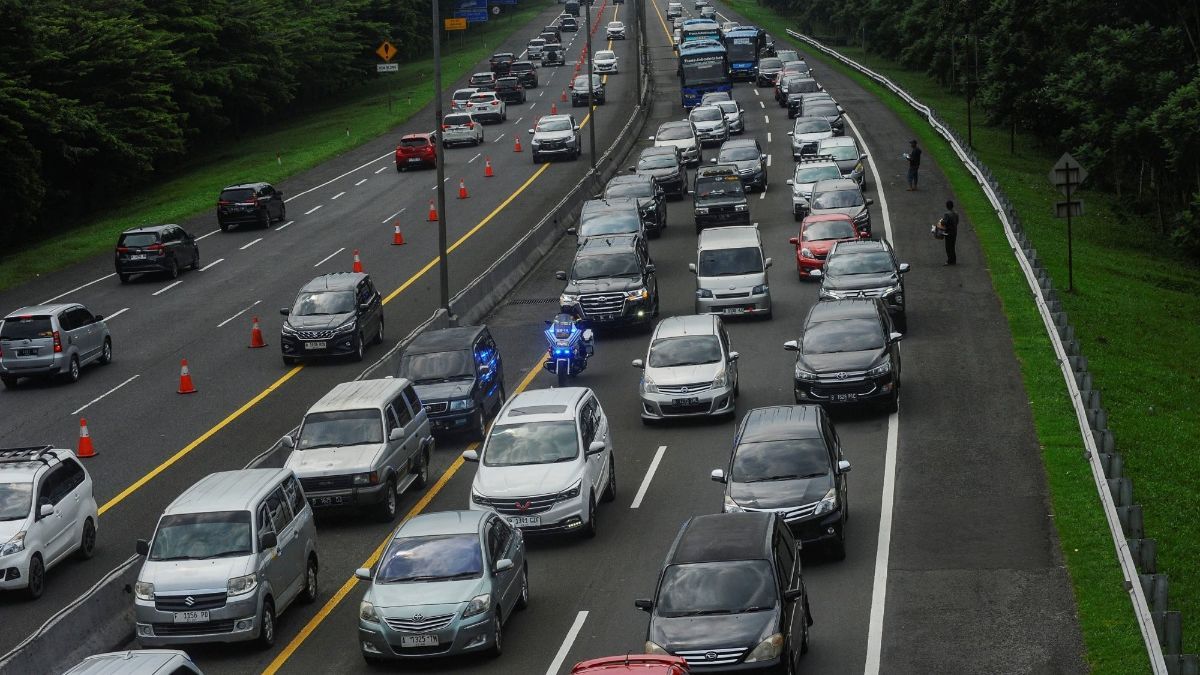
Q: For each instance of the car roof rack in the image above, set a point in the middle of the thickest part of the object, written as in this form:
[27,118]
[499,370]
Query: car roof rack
[33,453]
[809,159]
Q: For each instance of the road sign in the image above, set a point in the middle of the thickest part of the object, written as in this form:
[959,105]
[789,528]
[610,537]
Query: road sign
[469,5]
[455,24]
[1067,172]
[1074,208]
[387,67]
[386,51]
[472,15]
[496,10]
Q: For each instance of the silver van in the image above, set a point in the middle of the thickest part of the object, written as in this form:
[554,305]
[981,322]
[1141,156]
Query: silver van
[137,662]
[731,272]
[228,555]
[361,445]
[51,340]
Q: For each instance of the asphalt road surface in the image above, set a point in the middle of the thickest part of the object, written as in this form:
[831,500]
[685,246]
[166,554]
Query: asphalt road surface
[952,562]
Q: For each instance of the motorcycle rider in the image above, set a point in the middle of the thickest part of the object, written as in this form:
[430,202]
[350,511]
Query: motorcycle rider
[565,323]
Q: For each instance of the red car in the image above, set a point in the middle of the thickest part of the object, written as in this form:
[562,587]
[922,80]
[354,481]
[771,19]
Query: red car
[416,150]
[818,234]
[633,664]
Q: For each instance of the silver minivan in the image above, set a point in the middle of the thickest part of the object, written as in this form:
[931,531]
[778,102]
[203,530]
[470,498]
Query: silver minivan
[689,370]
[228,555]
[361,445]
[51,340]
[731,272]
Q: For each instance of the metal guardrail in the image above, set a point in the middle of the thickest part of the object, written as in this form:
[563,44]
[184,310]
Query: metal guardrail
[1159,627]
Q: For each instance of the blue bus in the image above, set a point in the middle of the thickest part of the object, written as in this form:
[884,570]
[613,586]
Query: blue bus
[703,67]
[743,46]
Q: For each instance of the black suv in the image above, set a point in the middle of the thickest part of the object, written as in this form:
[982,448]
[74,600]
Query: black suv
[459,376]
[665,166]
[718,197]
[612,281]
[334,315]
[250,203]
[793,95]
[555,31]
[651,199]
[731,596]
[501,62]
[865,269]
[788,459]
[579,90]
[157,248]
[510,90]
[847,353]
[526,72]
[598,217]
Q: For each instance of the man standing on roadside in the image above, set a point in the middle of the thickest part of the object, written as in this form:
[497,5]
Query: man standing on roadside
[914,163]
[950,226]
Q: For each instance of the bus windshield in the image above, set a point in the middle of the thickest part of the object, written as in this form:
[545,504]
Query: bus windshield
[704,69]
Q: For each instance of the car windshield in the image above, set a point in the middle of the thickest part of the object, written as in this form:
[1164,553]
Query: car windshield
[812,127]
[615,24]
[537,42]
[15,500]
[645,189]
[727,107]
[483,98]
[605,267]
[560,124]
[840,152]
[201,536]
[508,82]
[339,429]
[829,229]
[690,350]
[610,222]
[606,56]
[531,443]
[786,56]
[581,82]
[709,588]
[438,366]
[440,557]
[843,335]
[656,162]
[821,110]
[675,132]
[802,86]
[321,303]
[838,199]
[812,174]
[26,328]
[707,114]
[873,262]
[744,153]
[780,460]
[707,188]
[723,262]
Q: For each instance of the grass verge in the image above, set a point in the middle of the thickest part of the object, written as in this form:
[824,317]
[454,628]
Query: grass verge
[302,142]
[1132,311]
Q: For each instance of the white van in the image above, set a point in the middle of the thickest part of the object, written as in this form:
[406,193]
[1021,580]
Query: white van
[731,272]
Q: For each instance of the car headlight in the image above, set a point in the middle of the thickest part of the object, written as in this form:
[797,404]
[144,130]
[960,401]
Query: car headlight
[703,293]
[480,499]
[826,294]
[288,330]
[652,648]
[858,168]
[648,386]
[640,294]
[741,207]
[760,289]
[731,506]
[827,504]
[701,210]
[14,545]
[805,375]
[571,492]
[143,590]
[366,612]
[806,253]
[721,380]
[767,650]
[478,605]
[568,299]
[345,328]
[862,217]
[366,478]
[239,585]
[881,369]
[535,142]
[462,404]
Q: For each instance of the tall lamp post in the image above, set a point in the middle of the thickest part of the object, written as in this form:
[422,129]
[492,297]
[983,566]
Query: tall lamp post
[587,21]
[443,262]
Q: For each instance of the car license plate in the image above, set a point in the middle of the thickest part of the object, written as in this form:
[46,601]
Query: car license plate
[314,345]
[138,256]
[26,352]
[685,401]
[194,616]
[845,397]
[525,521]
[418,640]
[735,310]
[414,160]
[332,500]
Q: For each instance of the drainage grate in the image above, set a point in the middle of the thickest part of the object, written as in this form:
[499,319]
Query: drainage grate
[533,301]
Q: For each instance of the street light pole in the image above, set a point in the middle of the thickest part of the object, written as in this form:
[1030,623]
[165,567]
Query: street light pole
[443,263]
[587,21]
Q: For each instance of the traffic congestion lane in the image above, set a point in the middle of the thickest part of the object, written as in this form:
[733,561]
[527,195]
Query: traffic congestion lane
[135,429]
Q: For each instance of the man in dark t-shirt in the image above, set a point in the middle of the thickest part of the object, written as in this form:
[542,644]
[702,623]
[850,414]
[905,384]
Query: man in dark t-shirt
[950,225]
[914,162]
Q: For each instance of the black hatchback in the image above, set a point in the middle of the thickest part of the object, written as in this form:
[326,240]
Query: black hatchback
[459,376]
[334,315]
[848,353]
[156,248]
[250,204]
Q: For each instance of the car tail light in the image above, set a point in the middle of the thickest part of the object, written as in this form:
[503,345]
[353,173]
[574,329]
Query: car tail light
[445,127]
[159,248]
[57,343]
[222,202]
[470,125]
[122,249]
[253,201]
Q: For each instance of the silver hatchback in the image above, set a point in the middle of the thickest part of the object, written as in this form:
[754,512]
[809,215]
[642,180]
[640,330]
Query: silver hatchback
[689,369]
[446,585]
[50,341]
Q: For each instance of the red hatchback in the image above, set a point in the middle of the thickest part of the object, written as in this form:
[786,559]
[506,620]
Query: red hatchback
[818,234]
[633,664]
[416,150]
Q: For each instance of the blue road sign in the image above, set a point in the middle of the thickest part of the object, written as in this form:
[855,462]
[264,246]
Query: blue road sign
[472,15]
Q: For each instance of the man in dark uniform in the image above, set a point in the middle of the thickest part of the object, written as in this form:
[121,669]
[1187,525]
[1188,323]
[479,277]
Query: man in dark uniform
[950,225]
[914,163]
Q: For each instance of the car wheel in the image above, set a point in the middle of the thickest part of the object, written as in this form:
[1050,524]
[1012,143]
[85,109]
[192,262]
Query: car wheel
[37,578]
[379,334]
[265,221]
[478,424]
[360,348]
[73,370]
[523,599]
[87,541]
[837,547]
[224,226]
[282,212]
[123,277]
[106,352]
[173,272]
[422,478]
[589,530]
[399,168]
[796,216]
[893,402]
[497,635]
[9,381]
[385,511]
[266,625]
[610,490]
[311,588]
[290,360]
[901,322]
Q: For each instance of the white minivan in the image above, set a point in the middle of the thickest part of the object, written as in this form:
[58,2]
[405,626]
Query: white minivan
[731,272]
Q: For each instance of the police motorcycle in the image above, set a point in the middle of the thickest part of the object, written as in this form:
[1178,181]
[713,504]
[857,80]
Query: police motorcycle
[569,345]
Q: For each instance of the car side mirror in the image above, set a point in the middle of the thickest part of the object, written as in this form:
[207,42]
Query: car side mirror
[791,346]
[768,262]
[794,241]
[363,573]
[869,201]
[649,138]
[692,267]
[895,337]
[633,168]
[904,268]
[571,230]
[816,274]
[576,127]
[793,594]
[791,182]
[718,475]
[762,157]
[644,604]
[651,269]
[560,275]
[791,133]
[396,434]
[843,466]
[596,447]
[279,193]
[471,455]
[502,565]
[143,547]
[863,156]
[713,160]
[531,132]
[284,311]
[98,318]
[267,541]
[288,442]
[638,363]
[734,356]
[364,306]
[45,510]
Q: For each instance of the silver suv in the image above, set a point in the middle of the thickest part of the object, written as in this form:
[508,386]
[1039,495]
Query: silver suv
[50,341]
[555,135]
[47,513]
[361,445]
[228,555]
[731,272]
[689,369]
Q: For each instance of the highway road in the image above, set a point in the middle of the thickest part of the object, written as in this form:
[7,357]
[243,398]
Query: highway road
[952,561]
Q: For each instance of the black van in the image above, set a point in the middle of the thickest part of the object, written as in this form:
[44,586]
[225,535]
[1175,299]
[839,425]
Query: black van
[571,7]
[459,376]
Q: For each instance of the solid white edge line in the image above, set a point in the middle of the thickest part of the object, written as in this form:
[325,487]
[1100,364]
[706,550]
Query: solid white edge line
[284,225]
[331,180]
[205,236]
[168,287]
[214,263]
[313,209]
[337,195]
[883,207]
[326,259]
[382,168]
[769,159]
[641,493]
[389,218]
[119,312]
[222,324]
[568,641]
[78,288]
[360,182]
[85,405]
[243,248]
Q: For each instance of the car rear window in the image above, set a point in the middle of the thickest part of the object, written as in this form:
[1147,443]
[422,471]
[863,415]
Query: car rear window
[522,67]
[463,95]
[460,120]
[138,239]
[26,328]
[413,142]
[236,195]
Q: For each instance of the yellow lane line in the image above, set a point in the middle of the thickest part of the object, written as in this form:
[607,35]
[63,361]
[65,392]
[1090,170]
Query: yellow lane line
[350,583]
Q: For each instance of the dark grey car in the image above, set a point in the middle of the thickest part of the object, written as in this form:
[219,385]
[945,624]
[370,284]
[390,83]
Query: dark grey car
[651,199]
[459,375]
[50,341]
[844,196]
[155,248]
[866,269]
[665,166]
[750,160]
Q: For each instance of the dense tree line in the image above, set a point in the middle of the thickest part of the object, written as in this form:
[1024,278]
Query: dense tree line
[1116,82]
[97,95]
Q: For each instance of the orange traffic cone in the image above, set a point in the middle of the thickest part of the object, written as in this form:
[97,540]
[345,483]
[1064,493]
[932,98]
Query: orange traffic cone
[564,96]
[432,212]
[185,379]
[517,143]
[553,108]
[397,238]
[357,262]
[462,189]
[487,167]
[256,336]
[85,448]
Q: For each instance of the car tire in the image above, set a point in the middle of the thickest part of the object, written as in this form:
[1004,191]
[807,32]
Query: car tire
[523,598]
[610,489]
[290,361]
[282,212]
[72,374]
[224,226]
[87,541]
[385,510]
[312,587]
[379,333]
[266,625]
[589,531]
[901,322]
[265,221]
[478,424]
[797,217]
[497,635]
[893,401]
[837,547]
[9,381]
[123,277]
[173,272]
[536,159]
[422,474]
[106,352]
[37,578]
[360,348]
[399,168]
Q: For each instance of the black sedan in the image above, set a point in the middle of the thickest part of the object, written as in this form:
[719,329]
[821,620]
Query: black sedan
[849,353]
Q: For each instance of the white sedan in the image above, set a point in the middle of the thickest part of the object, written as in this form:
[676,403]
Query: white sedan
[486,105]
[605,61]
